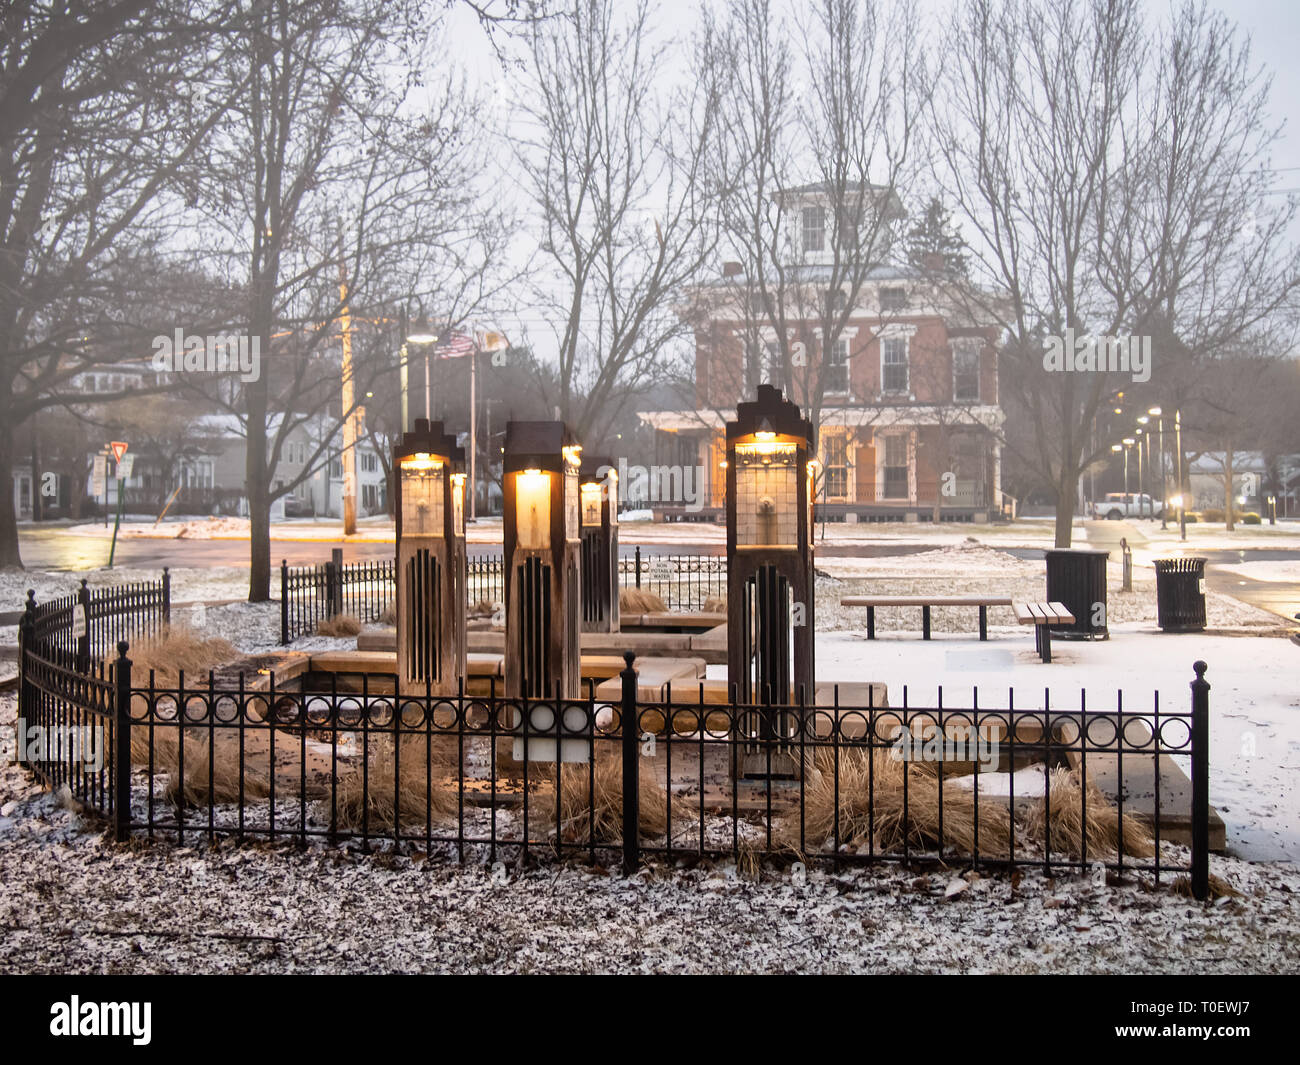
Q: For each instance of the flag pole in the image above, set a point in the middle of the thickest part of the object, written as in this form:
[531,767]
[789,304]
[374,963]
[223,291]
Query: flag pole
[473,429]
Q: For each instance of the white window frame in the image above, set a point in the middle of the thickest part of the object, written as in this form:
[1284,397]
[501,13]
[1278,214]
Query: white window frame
[806,230]
[842,343]
[906,364]
[972,347]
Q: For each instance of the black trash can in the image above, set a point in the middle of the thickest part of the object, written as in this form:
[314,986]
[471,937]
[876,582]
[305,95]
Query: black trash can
[1076,578]
[1180,594]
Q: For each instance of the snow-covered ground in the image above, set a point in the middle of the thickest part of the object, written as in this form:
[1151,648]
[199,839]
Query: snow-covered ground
[1206,536]
[1287,570]
[1254,701]
[76,902]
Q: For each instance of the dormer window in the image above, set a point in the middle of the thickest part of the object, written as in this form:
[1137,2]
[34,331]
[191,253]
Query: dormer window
[893,299]
[814,229]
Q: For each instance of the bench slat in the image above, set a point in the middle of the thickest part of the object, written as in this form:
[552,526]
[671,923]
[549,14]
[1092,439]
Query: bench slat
[925,600]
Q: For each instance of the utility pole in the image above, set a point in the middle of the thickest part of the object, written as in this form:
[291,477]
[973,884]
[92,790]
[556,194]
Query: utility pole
[473,431]
[1182,492]
[349,415]
[402,370]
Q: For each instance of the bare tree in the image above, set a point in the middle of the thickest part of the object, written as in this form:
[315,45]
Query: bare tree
[333,188]
[615,167]
[821,149]
[1107,201]
[93,138]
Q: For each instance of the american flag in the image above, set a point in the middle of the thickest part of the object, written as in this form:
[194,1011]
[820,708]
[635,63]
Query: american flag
[454,345]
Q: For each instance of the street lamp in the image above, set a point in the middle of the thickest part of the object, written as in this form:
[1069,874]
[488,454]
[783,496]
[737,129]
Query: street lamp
[430,568]
[422,333]
[1158,414]
[1141,478]
[1182,488]
[1128,443]
[769,573]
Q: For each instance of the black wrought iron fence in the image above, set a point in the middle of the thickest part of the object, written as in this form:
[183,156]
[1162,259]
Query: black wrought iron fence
[72,703]
[310,595]
[683,581]
[477,775]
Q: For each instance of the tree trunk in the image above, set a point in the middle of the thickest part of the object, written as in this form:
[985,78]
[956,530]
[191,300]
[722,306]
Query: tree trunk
[257,479]
[1228,496]
[1065,492]
[9,553]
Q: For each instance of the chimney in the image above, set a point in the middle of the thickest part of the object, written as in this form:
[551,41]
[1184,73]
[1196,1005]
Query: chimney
[732,269]
[934,262]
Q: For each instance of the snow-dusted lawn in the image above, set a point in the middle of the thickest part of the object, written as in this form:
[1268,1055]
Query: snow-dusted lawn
[76,902]
[1204,536]
[1254,701]
[1285,571]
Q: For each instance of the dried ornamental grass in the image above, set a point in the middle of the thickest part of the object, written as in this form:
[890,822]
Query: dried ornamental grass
[640,601]
[176,649]
[591,803]
[383,797]
[1059,821]
[339,625]
[871,808]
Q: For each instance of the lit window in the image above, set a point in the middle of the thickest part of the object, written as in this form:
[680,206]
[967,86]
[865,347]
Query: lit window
[837,466]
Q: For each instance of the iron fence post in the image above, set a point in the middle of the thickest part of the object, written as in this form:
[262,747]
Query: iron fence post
[122,747]
[631,778]
[637,567]
[1200,783]
[166,596]
[336,582]
[83,641]
[284,601]
[24,685]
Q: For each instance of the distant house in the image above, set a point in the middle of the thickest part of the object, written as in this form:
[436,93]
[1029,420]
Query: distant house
[1254,479]
[305,450]
[908,413]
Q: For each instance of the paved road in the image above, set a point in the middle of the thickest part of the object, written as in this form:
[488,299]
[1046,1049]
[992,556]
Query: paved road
[59,549]
[56,548]
[1277,597]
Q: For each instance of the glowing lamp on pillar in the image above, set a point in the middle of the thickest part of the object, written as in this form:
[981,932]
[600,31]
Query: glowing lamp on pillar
[769,575]
[430,560]
[598,488]
[543,591]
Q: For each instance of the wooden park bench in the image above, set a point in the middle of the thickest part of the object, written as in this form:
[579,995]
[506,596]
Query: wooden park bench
[925,602]
[1042,616]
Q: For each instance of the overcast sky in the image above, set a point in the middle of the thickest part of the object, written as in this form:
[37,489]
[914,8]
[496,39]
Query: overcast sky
[1273,26]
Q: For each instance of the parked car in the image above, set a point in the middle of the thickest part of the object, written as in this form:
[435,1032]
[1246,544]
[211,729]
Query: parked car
[1117,505]
[298,508]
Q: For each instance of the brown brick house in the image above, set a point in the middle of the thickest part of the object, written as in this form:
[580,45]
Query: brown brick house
[905,403]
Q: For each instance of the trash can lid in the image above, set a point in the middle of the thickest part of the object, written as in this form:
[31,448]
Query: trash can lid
[1077,551]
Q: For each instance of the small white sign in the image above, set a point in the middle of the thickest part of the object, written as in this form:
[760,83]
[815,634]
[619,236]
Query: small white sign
[662,570]
[124,467]
[99,475]
[79,628]
[1201,582]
